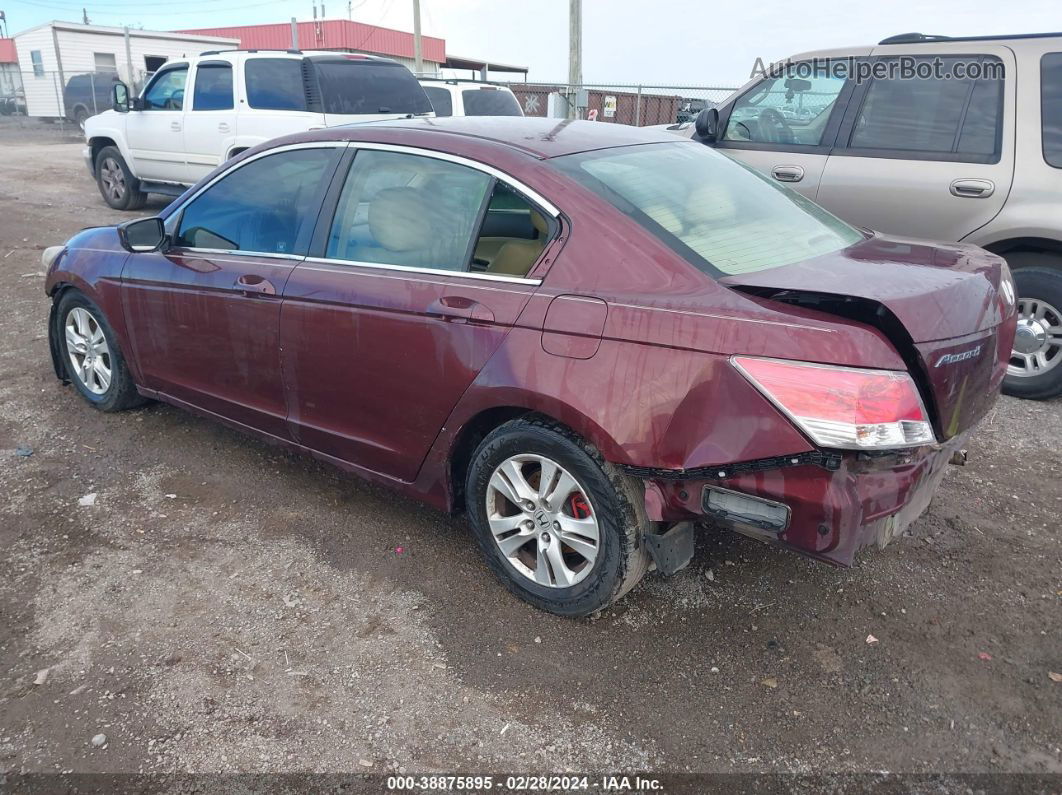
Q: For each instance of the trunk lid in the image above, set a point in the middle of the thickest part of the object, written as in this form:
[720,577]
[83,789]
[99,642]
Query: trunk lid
[945,320]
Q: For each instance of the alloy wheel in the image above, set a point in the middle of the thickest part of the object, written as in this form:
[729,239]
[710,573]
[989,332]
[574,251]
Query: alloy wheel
[542,521]
[1038,341]
[113,178]
[87,348]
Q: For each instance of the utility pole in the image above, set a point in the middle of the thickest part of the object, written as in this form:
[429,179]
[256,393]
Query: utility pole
[575,55]
[84,16]
[294,34]
[418,57]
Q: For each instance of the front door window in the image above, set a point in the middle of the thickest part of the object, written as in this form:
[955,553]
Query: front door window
[784,110]
[166,92]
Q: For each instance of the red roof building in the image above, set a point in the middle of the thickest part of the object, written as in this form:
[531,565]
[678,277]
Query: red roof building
[8,54]
[334,34]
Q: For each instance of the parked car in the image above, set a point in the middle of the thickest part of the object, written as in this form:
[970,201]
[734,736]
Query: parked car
[470,98]
[88,94]
[587,337]
[161,143]
[973,160]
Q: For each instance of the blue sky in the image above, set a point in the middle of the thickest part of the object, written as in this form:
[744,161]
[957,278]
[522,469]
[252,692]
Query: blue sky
[667,42]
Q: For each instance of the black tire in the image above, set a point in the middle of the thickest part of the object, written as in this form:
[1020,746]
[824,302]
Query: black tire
[124,196]
[1043,282]
[622,558]
[121,393]
[80,116]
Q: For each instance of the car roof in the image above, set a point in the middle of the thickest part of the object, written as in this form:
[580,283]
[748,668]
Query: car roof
[542,138]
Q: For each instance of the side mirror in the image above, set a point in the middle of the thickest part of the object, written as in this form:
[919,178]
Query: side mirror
[143,235]
[707,125]
[120,97]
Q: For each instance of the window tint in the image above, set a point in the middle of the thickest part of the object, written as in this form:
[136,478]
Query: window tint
[166,92]
[399,209]
[275,84]
[923,115]
[1051,107]
[490,102]
[723,217]
[213,87]
[261,206]
[441,101]
[784,110]
[358,86]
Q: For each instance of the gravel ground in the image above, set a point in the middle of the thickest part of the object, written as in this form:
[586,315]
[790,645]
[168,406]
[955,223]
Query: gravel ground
[225,607]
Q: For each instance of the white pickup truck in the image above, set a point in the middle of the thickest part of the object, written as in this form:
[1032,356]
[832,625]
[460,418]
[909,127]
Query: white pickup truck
[197,112]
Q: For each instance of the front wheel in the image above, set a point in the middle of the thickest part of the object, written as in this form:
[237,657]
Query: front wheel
[94,363]
[559,525]
[1035,369]
[119,188]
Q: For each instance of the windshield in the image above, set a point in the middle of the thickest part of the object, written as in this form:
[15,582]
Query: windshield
[720,215]
[367,87]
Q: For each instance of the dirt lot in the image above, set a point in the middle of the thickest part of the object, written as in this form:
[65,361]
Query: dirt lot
[226,607]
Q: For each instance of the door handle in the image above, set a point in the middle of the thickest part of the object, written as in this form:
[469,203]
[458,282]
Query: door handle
[458,309]
[175,126]
[250,284]
[223,127]
[973,188]
[787,173]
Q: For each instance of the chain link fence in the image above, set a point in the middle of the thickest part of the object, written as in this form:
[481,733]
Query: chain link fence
[72,98]
[64,96]
[637,105]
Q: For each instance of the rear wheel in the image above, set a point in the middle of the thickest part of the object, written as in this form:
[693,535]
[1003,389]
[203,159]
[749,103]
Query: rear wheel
[119,188]
[559,525]
[1035,369]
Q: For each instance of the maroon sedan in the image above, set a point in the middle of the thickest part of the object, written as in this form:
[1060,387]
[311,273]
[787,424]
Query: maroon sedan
[588,337]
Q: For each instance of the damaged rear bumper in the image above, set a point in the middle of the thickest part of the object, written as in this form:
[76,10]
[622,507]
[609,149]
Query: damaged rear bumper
[827,505]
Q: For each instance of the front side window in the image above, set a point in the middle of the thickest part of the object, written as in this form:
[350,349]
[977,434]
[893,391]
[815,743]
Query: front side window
[356,86]
[490,102]
[275,84]
[166,91]
[784,110]
[1051,107]
[930,115]
[408,210]
[261,207]
[213,87]
[441,101]
[723,217]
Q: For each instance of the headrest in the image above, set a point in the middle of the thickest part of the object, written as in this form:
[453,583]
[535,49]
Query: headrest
[711,205]
[398,220]
[540,223]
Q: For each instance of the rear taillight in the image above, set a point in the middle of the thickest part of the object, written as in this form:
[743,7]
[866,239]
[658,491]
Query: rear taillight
[843,406]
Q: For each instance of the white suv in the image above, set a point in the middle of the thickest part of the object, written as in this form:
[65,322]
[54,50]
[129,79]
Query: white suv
[470,98]
[195,113]
[906,140]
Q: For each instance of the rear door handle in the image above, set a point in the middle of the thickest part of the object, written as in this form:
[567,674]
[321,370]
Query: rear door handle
[251,284]
[223,127]
[175,126]
[787,173]
[458,309]
[973,188]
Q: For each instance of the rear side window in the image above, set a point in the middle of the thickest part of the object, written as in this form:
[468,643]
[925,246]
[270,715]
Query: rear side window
[490,102]
[275,84]
[260,207]
[408,210]
[441,101]
[1051,107]
[213,87]
[368,87]
[958,118]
